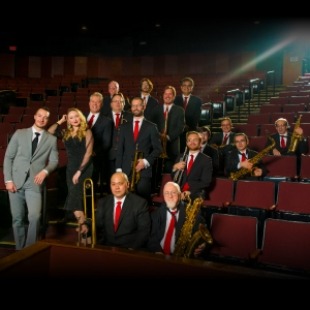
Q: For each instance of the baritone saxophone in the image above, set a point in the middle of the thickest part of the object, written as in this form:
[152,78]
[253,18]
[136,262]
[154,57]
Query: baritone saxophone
[189,241]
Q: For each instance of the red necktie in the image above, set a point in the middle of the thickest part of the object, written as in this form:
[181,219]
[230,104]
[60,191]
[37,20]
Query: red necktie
[167,242]
[189,167]
[117,120]
[166,113]
[243,157]
[90,122]
[118,210]
[136,131]
[225,139]
[185,102]
[282,142]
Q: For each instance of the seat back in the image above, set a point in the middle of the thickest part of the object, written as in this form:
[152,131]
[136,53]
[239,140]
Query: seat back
[286,244]
[234,236]
[220,193]
[281,166]
[255,194]
[293,197]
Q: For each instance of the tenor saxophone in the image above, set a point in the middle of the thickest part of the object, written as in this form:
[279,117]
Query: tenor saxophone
[187,241]
[295,136]
[254,160]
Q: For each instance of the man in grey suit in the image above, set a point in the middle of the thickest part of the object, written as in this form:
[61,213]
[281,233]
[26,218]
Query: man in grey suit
[25,168]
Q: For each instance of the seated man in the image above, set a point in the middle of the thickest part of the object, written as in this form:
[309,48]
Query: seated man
[122,218]
[170,226]
[241,163]
[193,174]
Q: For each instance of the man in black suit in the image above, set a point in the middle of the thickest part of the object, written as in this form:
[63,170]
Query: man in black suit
[223,141]
[208,149]
[101,127]
[239,158]
[146,145]
[191,105]
[113,88]
[150,102]
[170,120]
[195,171]
[128,227]
[119,117]
[173,209]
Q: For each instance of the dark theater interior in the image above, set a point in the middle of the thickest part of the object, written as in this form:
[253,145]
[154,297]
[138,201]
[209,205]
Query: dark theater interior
[251,71]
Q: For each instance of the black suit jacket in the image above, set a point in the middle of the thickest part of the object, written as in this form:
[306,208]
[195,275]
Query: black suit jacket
[150,105]
[102,133]
[158,225]
[213,153]
[192,112]
[125,117]
[148,143]
[199,177]
[175,126]
[134,223]
[233,160]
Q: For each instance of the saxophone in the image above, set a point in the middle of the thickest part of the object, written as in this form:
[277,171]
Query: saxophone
[135,176]
[187,241]
[254,160]
[295,136]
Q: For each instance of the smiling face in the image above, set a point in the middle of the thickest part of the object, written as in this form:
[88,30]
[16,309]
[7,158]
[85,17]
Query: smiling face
[74,119]
[41,118]
[172,195]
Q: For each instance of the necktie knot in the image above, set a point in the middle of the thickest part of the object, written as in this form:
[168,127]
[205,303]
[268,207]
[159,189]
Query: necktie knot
[243,157]
[117,120]
[225,138]
[136,131]
[91,120]
[118,210]
[35,142]
[282,142]
[185,102]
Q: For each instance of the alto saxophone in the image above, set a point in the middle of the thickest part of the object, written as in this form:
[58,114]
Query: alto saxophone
[254,160]
[135,176]
[295,136]
[187,241]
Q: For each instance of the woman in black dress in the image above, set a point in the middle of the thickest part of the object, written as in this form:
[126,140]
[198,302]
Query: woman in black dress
[78,141]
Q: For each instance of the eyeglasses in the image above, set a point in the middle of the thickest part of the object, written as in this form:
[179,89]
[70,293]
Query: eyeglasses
[171,193]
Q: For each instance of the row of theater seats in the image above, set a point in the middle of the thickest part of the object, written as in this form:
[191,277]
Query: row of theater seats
[258,222]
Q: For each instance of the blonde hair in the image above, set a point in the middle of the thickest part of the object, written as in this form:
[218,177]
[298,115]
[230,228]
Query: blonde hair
[81,132]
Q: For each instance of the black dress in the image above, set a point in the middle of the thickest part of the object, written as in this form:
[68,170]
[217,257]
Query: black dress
[76,150]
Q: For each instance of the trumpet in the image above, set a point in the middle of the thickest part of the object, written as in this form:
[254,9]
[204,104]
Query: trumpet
[164,139]
[88,193]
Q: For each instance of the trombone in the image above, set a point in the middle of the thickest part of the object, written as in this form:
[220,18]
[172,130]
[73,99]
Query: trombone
[88,193]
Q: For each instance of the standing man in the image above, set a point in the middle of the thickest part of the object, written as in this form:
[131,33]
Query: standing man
[170,120]
[113,88]
[150,102]
[191,105]
[101,127]
[119,117]
[138,135]
[30,157]
[122,218]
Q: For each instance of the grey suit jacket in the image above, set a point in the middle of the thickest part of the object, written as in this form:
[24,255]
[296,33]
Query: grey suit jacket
[18,161]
